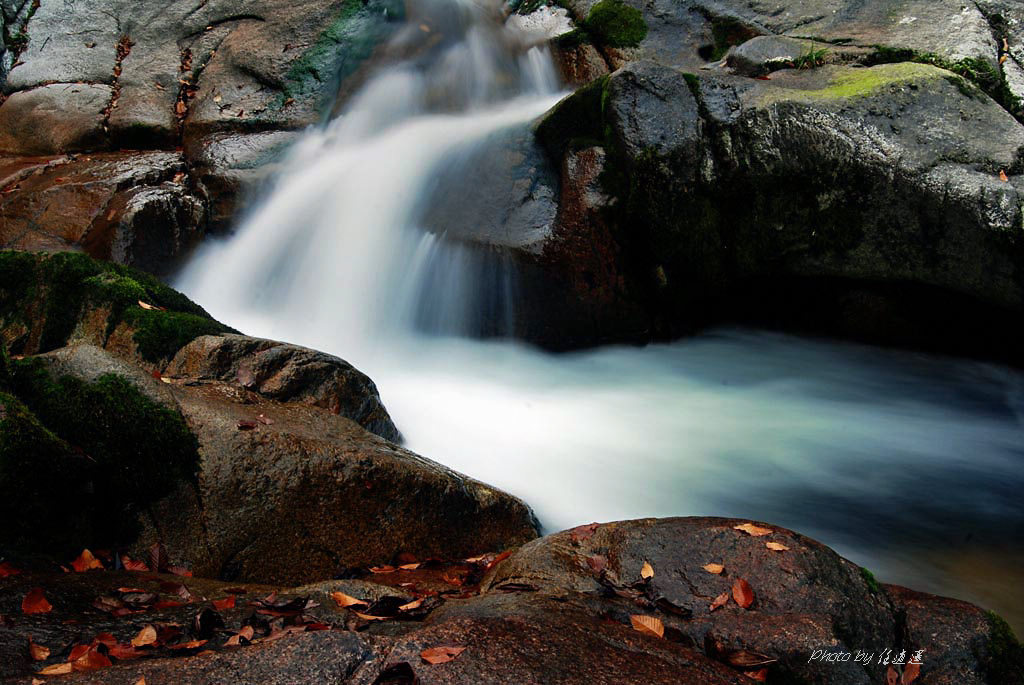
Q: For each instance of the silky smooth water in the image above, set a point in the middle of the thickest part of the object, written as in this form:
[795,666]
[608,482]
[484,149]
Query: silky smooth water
[910,465]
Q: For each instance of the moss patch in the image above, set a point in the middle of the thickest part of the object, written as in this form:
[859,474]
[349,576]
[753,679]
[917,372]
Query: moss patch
[870,579]
[105,448]
[1004,660]
[577,121]
[615,24]
[855,83]
[53,294]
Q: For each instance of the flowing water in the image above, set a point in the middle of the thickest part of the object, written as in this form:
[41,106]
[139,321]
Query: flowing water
[910,465]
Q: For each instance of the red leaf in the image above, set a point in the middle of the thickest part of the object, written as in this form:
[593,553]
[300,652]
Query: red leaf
[498,559]
[226,603]
[132,565]
[86,562]
[7,570]
[92,660]
[35,602]
[581,533]
[441,655]
[179,571]
[760,675]
[910,673]
[720,601]
[742,593]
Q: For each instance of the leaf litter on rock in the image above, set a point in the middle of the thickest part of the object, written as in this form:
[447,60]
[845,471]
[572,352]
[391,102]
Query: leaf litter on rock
[648,625]
[742,593]
[441,655]
[754,530]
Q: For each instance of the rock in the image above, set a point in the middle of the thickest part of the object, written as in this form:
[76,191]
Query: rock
[578,63]
[742,191]
[807,593]
[134,208]
[765,54]
[232,167]
[61,117]
[286,373]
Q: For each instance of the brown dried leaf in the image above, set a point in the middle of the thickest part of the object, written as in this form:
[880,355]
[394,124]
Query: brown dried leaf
[754,531]
[37,652]
[910,673]
[441,655]
[146,636]
[86,562]
[367,617]
[92,660]
[714,568]
[776,546]
[226,603]
[646,571]
[760,675]
[415,604]
[1003,177]
[891,676]
[720,601]
[742,593]
[742,658]
[56,669]
[35,602]
[343,600]
[648,625]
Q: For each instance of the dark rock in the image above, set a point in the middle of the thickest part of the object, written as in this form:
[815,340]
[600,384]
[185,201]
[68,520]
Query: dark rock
[286,373]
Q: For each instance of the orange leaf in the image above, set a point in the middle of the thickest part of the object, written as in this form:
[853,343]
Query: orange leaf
[35,602]
[752,530]
[37,652]
[646,571]
[910,673]
[891,676]
[441,655]
[367,617]
[409,567]
[382,569]
[56,669]
[86,562]
[245,633]
[226,603]
[742,593]
[411,605]
[648,625]
[344,600]
[776,546]
[194,644]
[146,636]
[760,675]
[141,681]
[714,568]
[720,601]
[1002,176]
[92,660]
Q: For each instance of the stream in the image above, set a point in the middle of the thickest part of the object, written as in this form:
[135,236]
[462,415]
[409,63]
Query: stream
[910,465]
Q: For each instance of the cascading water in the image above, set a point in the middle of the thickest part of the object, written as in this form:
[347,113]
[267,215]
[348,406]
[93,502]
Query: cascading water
[907,464]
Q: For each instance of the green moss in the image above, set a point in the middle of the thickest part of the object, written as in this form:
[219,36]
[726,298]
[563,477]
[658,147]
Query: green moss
[854,83]
[615,24]
[61,289]
[1004,659]
[579,117]
[133,449]
[346,43]
[869,578]
[572,39]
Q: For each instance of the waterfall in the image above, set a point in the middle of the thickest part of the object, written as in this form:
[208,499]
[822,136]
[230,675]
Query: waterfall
[338,249]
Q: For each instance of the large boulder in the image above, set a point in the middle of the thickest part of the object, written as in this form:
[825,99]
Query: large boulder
[841,196]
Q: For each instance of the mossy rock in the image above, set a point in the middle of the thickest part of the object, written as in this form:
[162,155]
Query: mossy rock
[46,299]
[1005,654]
[615,24]
[79,461]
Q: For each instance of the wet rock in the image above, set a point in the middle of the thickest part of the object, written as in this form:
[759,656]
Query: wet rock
[61,117]
[807,593]
[286,373]
[579,64]
[133,208]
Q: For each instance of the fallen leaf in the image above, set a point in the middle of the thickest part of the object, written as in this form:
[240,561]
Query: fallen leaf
[132,565]
[742,593]
[226,603]
[1002,58]
[56,669]
[194,644]
[382,569]
[7,570]
[720,601]
[146,636]
[180,108]
[35,602]
[910,673]
[752,530]
[648,625]
[245,425]
[416,604]
[367,617]
[343,600]
[646,571]
[741,658]
[441,655]
[760,675]
[86,562]
[125,652]
[92,660]
[245,633]
[1002,176]
[891,676]
[37,652]
[409,567]
[776,546]
[141,681]
[158,559]
[148,306]
[714,568]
